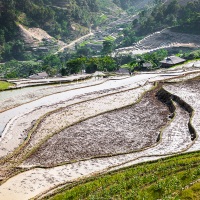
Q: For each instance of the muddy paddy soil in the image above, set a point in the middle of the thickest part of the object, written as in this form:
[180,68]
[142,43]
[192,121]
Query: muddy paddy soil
[189,91]
[121,131]
[100,127]
[60,119]
[66,115]
[18,128]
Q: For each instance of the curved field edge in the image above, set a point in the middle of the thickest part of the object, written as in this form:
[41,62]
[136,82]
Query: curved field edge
[136,110]
[164,178]
[46,115]
[39,121]
[159,139]
[99,83]
[167,99]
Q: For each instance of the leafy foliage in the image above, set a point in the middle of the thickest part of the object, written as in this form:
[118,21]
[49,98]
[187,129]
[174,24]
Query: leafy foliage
[45,14]
[166,15]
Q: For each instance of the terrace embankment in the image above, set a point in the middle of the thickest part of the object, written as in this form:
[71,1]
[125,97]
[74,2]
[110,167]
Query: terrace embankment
[16,97]
[175,139]
[57,120]
[189,92]
[121,131]
[168,98]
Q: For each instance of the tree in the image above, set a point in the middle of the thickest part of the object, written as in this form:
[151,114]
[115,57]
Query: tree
[108,47]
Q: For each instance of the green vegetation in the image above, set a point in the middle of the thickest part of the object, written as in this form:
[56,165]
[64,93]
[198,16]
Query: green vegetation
[191,55]
[5,85]
[137,62]
[167,15]
[69,19]
[48,15]
[183,18]
[192,193]
[163,179]
[90,65]
[15,69]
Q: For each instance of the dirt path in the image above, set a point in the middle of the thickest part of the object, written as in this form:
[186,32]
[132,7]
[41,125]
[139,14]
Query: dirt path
[72,44]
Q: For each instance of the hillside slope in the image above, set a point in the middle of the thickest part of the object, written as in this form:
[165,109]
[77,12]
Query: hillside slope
[64,20]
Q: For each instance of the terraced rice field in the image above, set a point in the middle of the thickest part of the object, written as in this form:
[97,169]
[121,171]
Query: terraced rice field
[73,143]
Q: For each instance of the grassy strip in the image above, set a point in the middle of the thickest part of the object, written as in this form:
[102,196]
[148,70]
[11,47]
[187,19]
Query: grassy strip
[4,85]
[192,192]
[152,180]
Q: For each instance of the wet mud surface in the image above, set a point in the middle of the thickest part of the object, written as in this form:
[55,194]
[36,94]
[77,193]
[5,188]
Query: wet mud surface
[121,131]
[189,91]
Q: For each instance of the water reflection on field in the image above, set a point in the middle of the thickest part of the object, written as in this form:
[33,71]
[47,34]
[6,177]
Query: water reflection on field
[6,116]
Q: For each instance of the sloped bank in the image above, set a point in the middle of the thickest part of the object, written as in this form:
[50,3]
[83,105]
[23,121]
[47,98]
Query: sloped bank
[189,92]
[167,98]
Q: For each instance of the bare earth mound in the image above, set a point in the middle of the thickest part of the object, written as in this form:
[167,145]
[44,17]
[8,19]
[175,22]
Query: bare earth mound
[121,131]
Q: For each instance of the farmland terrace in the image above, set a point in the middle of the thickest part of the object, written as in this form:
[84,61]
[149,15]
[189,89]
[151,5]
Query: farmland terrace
[94,127]
[164,39]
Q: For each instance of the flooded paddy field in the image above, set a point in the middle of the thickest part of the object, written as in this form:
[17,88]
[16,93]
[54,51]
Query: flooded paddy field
[189,92]
[84,131]
[121,131]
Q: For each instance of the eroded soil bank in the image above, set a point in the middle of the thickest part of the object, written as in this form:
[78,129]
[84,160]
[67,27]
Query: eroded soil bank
[121,131]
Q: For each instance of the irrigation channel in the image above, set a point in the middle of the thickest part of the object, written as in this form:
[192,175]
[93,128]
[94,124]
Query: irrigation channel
[77,104]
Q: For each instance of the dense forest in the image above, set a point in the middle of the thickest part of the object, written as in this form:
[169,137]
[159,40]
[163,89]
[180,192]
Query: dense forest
[187,17]
[45,14]
[58,18]
[181,17]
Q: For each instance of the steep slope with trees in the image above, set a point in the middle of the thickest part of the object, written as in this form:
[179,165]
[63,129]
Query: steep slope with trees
[65,20]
